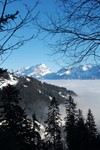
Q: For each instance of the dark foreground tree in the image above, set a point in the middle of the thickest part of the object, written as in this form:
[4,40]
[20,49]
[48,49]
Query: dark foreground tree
[53,129]
[81,131]
[35,138]
[91,131]
[70,124]
[14,125]
[98,142]
[16,18]
[76,28]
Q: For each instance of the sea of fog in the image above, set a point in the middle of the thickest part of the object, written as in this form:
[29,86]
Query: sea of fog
[88,92]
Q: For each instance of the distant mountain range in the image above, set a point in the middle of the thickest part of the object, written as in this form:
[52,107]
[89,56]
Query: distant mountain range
[41,71]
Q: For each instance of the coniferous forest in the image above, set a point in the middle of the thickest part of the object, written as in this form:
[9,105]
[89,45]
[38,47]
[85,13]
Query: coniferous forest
[19,132]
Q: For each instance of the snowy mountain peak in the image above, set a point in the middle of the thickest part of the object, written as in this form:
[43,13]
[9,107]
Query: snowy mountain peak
[41,66]
[40,70]
[63,71]
[37,71]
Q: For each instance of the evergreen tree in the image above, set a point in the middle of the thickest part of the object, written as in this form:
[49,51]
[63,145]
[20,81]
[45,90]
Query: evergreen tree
[81,131]
[53,129]
[35,138]
[91,131]
[3,74]
[70,124]
[14,123]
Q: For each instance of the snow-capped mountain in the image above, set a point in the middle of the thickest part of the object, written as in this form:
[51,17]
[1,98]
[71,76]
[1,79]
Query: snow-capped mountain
[80,72]
[37,71]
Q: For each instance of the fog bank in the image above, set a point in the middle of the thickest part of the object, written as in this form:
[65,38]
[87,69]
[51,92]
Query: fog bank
[88,92]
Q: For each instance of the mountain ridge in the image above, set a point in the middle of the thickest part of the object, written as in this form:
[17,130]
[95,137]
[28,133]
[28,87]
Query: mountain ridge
[41,71]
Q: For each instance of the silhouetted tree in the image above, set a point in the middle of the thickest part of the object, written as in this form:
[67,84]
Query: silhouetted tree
[98,142]
[14,123]
[70,123]
[80,131]
[91,131]
[35,138]
[53,129]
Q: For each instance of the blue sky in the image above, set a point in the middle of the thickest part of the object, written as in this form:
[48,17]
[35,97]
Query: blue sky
[32,53]
[35,51]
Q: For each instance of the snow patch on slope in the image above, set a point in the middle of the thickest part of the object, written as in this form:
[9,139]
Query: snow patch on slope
[11,81]
[86,67]
[68,72]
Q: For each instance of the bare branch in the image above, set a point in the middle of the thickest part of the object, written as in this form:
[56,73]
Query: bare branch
[76,30]
[13,22]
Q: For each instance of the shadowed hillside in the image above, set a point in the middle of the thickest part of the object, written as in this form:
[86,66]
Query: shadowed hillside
[37,95]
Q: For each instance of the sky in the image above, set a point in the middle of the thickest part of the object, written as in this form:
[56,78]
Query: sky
[34,52]
[38,51]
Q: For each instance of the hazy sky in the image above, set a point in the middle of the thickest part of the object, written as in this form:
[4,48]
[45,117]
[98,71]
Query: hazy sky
[35,51]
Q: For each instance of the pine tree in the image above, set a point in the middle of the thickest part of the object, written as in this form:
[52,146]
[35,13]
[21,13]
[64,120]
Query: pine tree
[80,131]
[70,124]
[35,138]
[53,129]
[13,119]
[91,131]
